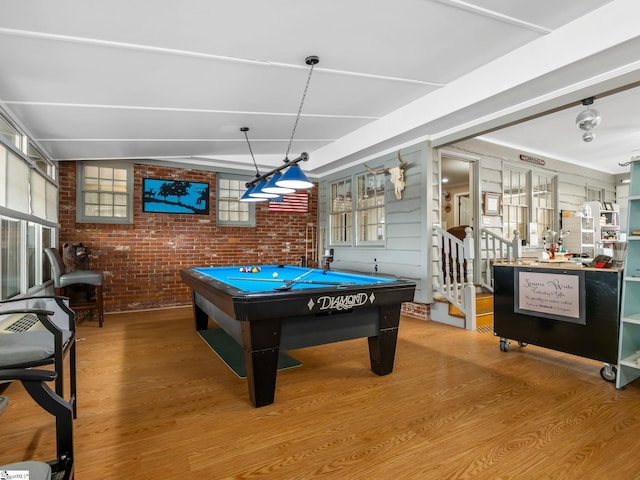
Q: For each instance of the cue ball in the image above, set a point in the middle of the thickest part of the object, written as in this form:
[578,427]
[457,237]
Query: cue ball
[275,274]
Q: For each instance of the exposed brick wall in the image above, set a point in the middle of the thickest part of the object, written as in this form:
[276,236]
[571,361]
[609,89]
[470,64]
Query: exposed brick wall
[417,310]
[142,261]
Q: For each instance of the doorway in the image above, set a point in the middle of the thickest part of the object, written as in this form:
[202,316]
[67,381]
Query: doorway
[457,201]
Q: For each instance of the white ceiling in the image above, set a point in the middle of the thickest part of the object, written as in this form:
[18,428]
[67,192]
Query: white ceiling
[176,81]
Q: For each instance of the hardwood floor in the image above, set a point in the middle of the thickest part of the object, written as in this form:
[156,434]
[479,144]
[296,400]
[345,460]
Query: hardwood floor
[155,403]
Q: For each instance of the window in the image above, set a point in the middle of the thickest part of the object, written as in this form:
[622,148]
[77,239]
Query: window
[18,190]
[229,209]
[39,160]
[28,212]
[528,197]
[47,241]
[515,201]
[341,213]
[11,135]
[104,193]
[10,239]
[31,253]
[595,194]
[543,202]
[370,208]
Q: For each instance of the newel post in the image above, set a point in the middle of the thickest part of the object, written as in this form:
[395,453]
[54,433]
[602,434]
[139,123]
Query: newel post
[469,253]
[516,246]
[469,289]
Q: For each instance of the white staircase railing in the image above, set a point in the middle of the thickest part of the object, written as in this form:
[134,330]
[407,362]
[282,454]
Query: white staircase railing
[455,282]
[495,249]
[455,272]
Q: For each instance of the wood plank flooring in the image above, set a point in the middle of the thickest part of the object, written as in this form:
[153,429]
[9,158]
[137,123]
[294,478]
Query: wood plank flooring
[155,403]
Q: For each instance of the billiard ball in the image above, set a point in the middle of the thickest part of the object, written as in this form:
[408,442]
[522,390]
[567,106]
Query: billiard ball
[255,269]
[275,274]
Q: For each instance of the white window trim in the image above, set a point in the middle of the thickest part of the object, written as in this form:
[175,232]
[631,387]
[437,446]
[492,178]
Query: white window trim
[41,214]
[80,216]
[332,242]
[355,240]
[357,211]
[251,222]
[530,208]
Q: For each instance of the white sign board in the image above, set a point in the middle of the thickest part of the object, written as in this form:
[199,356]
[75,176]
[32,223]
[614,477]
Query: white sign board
[551,295]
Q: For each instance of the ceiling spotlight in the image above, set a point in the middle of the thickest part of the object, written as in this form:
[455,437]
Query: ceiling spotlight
[589,118]
[588,136]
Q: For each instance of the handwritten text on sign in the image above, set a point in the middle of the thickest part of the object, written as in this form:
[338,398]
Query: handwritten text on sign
[549,293]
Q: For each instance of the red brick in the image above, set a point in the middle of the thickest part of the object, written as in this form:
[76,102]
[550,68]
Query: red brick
[142,261]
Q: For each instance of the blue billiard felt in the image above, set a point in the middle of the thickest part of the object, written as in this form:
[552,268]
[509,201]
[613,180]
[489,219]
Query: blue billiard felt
[264,280]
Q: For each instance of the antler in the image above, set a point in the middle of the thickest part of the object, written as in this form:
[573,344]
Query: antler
[403,162]
[376,172]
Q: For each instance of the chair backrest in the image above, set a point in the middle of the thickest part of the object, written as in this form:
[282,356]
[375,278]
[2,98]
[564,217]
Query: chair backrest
[57,266]
[63,317]
[35,382]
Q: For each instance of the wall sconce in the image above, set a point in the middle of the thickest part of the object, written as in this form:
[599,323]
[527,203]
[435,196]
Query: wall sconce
[274,184]
[588,119]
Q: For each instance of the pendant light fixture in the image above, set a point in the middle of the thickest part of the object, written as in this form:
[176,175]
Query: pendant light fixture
[253,194]
[246,197]
[294,177]
[258,191]
[588,119]
[272,186]
[275,183]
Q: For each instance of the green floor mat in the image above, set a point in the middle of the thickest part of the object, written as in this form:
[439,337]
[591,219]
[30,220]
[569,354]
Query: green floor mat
[230,352]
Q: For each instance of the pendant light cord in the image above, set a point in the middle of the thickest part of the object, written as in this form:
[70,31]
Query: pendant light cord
[310,61]
[245,130]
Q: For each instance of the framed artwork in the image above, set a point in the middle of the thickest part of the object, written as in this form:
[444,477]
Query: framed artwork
[174,196]
[492,203]
[608,206]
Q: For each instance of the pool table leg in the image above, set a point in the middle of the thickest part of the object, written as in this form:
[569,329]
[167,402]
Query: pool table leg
[382,349]
[200,316]
[261,344]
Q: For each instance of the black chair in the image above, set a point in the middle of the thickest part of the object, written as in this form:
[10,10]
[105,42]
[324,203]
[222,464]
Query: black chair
[63,279]
[34,382]
[25,343]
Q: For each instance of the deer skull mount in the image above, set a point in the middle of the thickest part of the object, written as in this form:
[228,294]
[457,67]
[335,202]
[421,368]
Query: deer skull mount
[396,175]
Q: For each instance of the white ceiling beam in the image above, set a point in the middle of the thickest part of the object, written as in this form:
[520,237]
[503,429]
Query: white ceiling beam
[572,43]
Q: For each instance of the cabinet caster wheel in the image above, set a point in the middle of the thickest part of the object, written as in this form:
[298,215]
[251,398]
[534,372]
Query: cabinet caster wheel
[504,345]
[608,373]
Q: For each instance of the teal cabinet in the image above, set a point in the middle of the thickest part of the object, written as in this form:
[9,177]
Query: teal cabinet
[629,344]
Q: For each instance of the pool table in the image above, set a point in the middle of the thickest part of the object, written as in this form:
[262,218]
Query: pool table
[288,307]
